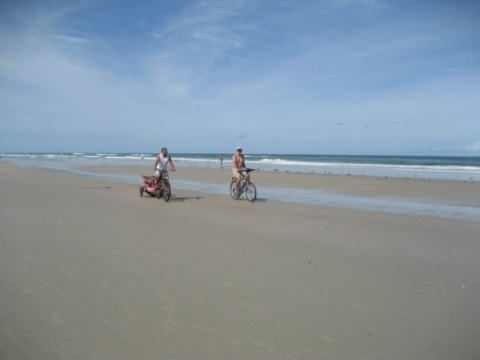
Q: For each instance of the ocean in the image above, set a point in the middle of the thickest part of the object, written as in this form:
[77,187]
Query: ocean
[424,167]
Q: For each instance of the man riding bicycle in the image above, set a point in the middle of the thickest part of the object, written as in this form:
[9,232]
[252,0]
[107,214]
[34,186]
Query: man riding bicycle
[238,163]
[160,164]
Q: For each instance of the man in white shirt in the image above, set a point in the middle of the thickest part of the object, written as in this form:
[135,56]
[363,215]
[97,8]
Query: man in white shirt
[160,164]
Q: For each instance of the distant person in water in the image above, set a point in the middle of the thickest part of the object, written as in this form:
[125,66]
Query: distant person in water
[221,161]
[160,164]
[238,163]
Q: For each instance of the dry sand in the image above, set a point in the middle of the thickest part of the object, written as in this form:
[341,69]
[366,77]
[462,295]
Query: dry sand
[90,270]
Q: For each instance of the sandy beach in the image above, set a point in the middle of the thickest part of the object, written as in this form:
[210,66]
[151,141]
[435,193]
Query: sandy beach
[91,270]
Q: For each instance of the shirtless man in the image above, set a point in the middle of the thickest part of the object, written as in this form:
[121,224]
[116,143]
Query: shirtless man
[238,163]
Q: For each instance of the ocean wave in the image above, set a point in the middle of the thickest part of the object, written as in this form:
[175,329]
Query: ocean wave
[199,160]
[439,168]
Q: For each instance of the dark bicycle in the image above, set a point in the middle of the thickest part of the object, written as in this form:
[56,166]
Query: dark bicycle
[246,186]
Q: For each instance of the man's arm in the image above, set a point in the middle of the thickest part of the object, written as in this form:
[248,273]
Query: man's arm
[172,167]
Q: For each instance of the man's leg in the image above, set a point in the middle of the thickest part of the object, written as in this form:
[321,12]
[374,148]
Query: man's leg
[239,179]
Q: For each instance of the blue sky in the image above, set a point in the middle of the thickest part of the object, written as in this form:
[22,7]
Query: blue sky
[319,77]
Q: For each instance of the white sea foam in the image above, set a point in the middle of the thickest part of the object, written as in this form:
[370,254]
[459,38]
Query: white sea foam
[367,169]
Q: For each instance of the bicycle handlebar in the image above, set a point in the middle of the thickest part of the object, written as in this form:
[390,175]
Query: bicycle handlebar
[246,170]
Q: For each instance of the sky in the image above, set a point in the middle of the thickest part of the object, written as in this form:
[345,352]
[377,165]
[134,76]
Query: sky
[366,77]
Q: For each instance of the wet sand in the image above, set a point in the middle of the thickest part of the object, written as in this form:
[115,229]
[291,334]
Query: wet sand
[90,270]
[444,191]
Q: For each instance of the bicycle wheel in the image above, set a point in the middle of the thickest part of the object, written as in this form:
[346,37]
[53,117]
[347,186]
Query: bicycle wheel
[234,194]
[166,191]
[251,191]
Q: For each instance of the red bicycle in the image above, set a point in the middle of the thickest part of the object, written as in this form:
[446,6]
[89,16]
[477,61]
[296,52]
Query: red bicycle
[149,185]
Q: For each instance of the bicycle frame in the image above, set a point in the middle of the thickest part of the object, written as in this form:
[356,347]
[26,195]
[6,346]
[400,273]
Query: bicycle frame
[245,186]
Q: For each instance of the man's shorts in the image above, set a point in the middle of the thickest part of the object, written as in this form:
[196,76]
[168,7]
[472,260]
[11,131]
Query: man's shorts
[236,174]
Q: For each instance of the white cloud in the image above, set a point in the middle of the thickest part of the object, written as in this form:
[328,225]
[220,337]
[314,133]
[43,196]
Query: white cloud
[212,65]
[473,147]
[72,39]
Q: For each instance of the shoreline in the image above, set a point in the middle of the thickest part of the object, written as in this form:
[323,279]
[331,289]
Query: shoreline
[411,167]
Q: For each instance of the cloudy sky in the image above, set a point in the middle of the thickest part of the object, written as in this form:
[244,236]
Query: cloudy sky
[275,76]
